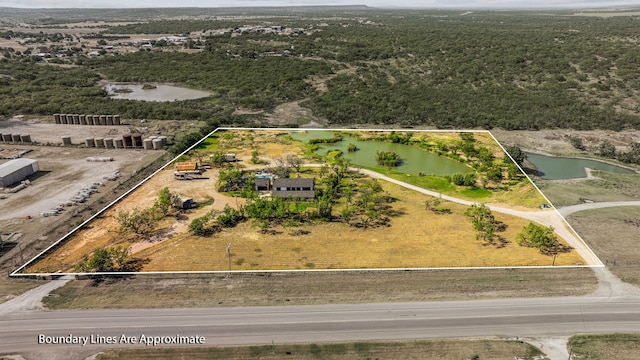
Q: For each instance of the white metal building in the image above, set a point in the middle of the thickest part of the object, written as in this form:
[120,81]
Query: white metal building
[16,170]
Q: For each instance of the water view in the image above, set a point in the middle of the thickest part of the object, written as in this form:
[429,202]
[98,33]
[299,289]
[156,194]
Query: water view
[414,160]
[556,168]
[156,92]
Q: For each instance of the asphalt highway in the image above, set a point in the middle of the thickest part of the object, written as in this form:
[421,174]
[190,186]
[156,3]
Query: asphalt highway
[27,332]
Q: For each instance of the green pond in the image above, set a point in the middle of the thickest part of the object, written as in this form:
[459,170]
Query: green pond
[556,168]
[413,159]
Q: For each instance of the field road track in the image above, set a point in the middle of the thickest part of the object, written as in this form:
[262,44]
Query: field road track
[568,210]
[546,217]
[523,318]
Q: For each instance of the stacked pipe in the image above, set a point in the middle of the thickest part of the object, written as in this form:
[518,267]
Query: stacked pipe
[83,119]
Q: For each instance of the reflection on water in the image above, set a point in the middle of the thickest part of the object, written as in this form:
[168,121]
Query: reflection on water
[159,93]
[413,159]
[556,168]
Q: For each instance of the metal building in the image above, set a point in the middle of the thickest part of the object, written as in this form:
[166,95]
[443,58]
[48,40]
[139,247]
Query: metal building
[16,170]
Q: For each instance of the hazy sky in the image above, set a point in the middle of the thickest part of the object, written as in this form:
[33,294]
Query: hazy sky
[576,4]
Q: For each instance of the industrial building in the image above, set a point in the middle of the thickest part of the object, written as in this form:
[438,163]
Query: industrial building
[14,171]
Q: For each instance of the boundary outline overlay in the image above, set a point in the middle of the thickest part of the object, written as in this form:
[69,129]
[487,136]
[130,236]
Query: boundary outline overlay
[18,274]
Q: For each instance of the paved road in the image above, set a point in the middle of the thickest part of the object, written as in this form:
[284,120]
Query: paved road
[20,332]
[568,210]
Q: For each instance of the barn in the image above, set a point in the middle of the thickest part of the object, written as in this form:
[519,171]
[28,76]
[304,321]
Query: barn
[14,171]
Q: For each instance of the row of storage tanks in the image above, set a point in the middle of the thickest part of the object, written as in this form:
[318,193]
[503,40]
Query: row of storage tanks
[126,142]
[82,119]
[15,138]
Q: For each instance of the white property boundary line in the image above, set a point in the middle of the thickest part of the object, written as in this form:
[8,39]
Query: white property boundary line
[16,273]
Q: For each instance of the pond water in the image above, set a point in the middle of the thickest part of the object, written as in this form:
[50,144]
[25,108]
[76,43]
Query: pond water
[556,168]
[160,93]
[414,160]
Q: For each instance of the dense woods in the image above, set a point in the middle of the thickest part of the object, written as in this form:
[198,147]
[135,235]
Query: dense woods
[513,70]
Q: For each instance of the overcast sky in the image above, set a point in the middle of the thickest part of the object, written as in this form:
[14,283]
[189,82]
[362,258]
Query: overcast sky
[470,4]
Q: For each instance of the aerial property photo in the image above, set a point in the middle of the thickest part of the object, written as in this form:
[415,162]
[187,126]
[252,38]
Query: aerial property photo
[264,200]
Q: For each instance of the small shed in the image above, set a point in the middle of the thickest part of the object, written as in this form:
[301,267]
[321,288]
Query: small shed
[263,184]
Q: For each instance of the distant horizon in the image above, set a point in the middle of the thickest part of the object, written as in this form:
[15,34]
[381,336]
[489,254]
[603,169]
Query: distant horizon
[605,5]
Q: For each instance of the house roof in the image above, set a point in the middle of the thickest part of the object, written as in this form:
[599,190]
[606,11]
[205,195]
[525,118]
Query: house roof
[297,182]
[262,182]
[307,194]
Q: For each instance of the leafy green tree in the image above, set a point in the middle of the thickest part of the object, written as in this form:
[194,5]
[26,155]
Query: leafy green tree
[164,201]
[607,149]
[541,238]
[106,260]
[137,221]
[516,153]
[482,220]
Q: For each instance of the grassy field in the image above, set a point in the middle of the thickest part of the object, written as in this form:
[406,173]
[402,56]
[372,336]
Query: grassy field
[305,288]
[605,346]
[416,238]
[613,233]
[416,349]
[605,187]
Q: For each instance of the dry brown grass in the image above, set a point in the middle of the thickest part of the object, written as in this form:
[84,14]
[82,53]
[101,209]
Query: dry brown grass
[613,234]
[605,346]
[416,239]
[414,349]
[307,288]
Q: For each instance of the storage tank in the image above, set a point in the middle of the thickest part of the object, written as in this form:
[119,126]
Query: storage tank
[157,144]
[25,138]
[127,141]
[89,142]
[103,119]
[1,139]
[108,143]
[56,118]
[66,140]
[109,119]
[147,144]
[99,142]
[116,119]
[118,144]
[69,119]
[76,119]
[63,118]
[137,140]
[6,137]
[15,137]
[164,140]
[83,119]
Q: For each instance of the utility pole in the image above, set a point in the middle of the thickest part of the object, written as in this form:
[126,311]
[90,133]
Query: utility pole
[229,254]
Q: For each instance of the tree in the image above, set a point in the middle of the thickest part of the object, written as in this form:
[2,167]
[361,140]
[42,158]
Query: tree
[482,220]
[541,238]
[607,149]
[387,158]
[138,221]
[165,200]
[517,154]
[105,260]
